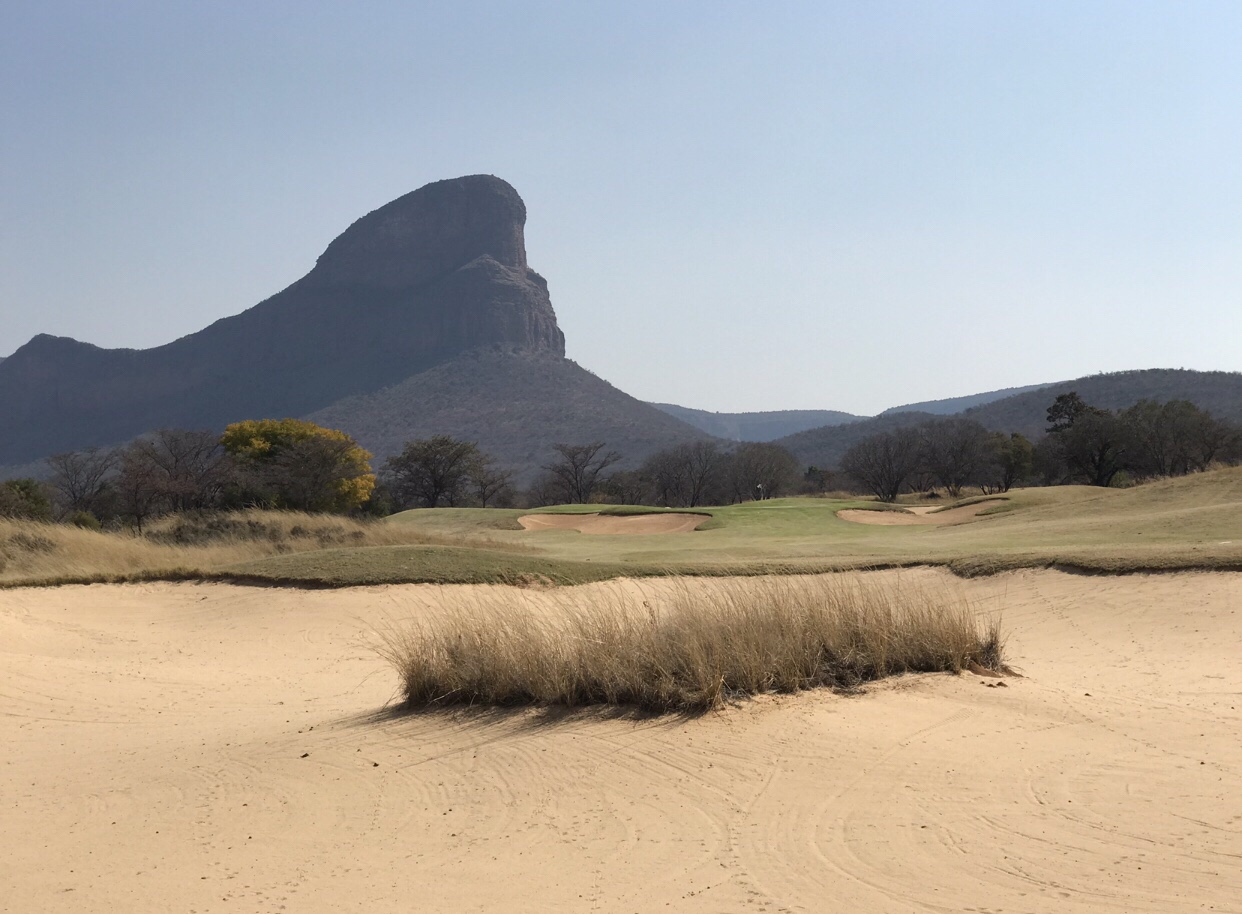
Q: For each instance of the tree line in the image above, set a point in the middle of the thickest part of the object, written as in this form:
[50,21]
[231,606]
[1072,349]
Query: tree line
[297,465]
[447,472]
[1083,444]
[285,463]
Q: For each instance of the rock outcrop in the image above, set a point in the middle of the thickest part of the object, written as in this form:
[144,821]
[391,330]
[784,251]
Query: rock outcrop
[435,273]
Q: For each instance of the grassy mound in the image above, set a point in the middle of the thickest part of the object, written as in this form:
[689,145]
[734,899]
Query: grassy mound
[704,643]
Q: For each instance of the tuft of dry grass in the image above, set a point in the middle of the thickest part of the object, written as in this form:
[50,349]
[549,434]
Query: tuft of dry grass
[683,644]
[190,545]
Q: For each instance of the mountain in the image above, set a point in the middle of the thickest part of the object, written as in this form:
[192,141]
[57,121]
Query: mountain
[415,283]
[954,405]
[515,404]
[760,426]
[1219,392]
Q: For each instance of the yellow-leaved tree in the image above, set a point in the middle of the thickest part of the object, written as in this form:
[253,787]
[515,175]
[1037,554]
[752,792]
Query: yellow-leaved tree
[291,463]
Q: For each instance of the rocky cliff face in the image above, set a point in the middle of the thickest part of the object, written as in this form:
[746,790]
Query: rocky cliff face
[435,273]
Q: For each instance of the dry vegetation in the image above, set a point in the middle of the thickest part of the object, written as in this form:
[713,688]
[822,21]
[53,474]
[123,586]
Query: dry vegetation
[683,645]
[188,545]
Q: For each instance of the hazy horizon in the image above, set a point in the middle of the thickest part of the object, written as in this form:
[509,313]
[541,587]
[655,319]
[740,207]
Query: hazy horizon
[801,206]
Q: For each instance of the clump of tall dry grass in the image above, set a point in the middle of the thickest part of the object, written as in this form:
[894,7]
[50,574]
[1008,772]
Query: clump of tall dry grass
[45,553]
[683,644]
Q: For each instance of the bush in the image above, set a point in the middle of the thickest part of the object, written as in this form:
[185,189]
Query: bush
[25,499]
[707,643]
[84,519]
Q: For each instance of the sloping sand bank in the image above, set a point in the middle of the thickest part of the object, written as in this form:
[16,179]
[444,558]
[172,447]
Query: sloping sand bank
[920,515]
[210,748]
[613,523]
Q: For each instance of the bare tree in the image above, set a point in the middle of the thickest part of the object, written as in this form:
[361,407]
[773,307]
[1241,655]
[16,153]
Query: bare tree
[884,462]
[190,469]
[138,486]
[704,462]
[80,479]
[490,483]
[759,470]
[666,471]
[578,470]
[628,487]
[954,451]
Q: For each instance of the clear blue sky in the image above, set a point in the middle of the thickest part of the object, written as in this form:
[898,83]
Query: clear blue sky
[737,206]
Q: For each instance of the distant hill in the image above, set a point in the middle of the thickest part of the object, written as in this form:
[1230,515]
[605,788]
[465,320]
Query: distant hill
[955,405]
[516,405]
[415,283]
[823,447]
[1219,392]
[760,426]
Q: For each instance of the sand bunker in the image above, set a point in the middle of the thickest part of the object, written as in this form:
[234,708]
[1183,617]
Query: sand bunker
[613,523]
[919,516]
[179,747]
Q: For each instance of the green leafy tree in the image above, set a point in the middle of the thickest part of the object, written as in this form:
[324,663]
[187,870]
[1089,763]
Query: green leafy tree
[431,472]
[1010,460]
[1093,445]
[1174,438]
[291,463]
[26,499]
[1064,410]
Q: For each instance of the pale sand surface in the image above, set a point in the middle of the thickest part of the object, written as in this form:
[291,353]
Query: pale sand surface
[919,515]
[151,740]
[613,524]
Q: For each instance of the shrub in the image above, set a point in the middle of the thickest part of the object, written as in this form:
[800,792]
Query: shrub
[26,499]
[84,519]
[708,642]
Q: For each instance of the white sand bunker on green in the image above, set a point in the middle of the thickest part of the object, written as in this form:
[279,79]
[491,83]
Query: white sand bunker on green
[615,523]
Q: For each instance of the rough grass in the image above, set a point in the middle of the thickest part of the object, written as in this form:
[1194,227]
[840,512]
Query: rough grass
[191,546]
[1172,525]
[686,645]
[967,502]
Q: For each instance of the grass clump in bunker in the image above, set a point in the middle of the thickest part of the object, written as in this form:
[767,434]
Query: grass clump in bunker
[687,645]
